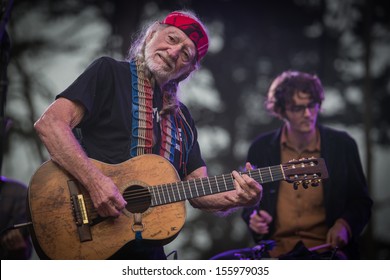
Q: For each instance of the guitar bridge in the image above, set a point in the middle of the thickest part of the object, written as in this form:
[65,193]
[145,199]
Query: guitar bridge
[79,212]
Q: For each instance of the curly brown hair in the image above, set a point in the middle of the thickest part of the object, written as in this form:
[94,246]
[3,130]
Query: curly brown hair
[288,83]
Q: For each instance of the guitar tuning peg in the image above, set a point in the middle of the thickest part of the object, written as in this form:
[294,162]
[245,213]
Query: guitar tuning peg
[296,185]
[305,184]
[315,183]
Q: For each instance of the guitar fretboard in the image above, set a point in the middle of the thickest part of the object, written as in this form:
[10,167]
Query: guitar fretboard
[182,190]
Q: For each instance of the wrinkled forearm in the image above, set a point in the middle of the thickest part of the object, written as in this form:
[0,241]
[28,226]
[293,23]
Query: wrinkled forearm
[54,129]
[247,193]
[66,151]
[211,203]
[218,203]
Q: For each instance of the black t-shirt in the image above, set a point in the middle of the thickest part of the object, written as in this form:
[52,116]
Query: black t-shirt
[104,89]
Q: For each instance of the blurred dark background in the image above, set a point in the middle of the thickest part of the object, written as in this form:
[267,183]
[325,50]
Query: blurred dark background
[346,43]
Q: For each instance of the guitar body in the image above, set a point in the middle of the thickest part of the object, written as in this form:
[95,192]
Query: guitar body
[65,225]
[55,232]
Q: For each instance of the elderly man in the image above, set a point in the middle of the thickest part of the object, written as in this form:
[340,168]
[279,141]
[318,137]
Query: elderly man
[118,110]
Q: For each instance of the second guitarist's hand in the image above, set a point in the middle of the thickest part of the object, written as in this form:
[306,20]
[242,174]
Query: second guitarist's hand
[259,221]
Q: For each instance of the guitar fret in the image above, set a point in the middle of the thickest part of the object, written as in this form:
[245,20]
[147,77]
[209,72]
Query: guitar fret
[201,181]
[184,190]
[281,169]
[153,190]
[158,194]
[196,189]
[189,187]
[269,168]
[177,187]
[249,173]
[154,196]
[216,181]
[154,200]
[224,181]
[261,177]
[173,192]
[167,191]
[277,174]
[208,179]
[159,187]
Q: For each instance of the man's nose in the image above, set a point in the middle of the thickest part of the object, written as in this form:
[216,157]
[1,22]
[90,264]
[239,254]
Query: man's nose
[308,111]
[174,51]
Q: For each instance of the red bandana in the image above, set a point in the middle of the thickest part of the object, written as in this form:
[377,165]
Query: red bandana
[192,28]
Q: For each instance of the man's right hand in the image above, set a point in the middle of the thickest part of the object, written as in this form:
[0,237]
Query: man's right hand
[13,240]
[106,198]
[259,221]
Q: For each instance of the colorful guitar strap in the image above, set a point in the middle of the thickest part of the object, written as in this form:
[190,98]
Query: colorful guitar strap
[142,123]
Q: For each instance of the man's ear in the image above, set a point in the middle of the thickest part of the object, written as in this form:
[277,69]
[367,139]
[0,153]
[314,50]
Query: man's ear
[282,114]
[152,32]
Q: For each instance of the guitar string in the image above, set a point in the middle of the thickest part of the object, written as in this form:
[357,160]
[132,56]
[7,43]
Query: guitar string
[213,186]
[215,182]
[262,178]
[91,210]
[144,205]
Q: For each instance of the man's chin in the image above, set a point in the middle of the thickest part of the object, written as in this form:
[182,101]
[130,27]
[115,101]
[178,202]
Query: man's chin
[305,128]
[161,64]
[161,74]
[157,70]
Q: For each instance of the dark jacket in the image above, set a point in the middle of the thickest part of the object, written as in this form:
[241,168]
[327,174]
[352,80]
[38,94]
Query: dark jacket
[345,191]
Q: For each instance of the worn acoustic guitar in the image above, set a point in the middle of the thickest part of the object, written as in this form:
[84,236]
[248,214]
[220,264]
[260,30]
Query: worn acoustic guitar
[65,225]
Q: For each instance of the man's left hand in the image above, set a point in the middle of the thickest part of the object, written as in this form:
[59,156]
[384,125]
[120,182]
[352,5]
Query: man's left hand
[338,235]
[248,191]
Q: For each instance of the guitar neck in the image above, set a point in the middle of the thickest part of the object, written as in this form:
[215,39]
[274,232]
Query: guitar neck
[182,190]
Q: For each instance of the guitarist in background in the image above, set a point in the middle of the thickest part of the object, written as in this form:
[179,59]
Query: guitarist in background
[15,243]
[117,110]
[332,214]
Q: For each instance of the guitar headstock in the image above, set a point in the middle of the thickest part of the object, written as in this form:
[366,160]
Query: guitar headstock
[306,172]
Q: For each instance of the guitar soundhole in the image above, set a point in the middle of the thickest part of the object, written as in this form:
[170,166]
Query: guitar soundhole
[138,199]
